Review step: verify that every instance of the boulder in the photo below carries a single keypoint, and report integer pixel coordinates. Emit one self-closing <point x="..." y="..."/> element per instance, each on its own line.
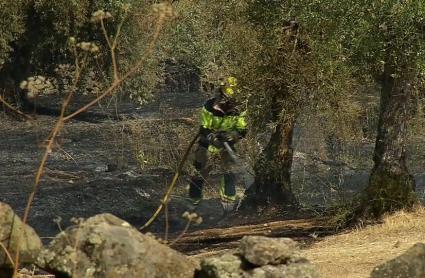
<point x="12" y="231"/>
<point x="261" y="251"/>
<point x="295" y="270"/>
<point x="227" y="265"/>
<point x="408" y="265"/>
<point x="106" y="246"/>
<point x="259" y="257"/>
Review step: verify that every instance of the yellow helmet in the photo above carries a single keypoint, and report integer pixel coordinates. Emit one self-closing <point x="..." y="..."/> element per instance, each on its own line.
<point x="229" y="86"/>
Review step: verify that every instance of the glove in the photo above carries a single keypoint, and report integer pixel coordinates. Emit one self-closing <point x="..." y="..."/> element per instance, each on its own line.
<point x="232" y="136"/>
<point x="218" y="138"/>
<point x="215" y="140"/>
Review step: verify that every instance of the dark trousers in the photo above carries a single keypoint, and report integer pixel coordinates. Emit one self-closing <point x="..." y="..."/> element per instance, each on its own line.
<point x="227" y="187"/>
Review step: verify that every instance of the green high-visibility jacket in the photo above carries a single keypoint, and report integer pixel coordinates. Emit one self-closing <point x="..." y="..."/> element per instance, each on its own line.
<point x="214" y="120"/>
<point x="226" y="118"/>
<point x="223" y="123"/>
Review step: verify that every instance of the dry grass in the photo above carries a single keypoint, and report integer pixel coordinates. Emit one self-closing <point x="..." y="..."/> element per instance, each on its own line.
<point x="356" y="253"/>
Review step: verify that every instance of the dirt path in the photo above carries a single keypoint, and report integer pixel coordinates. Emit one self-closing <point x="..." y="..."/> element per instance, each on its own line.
<point x="355" y="253"/>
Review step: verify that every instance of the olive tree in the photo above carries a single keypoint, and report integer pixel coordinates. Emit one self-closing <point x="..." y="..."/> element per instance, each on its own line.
<point x="285" y="64"/>
<point x="283" y="71"/>
<point x="392" y="52"/>
<point x="294" y="56"/>
<point x="383" y="42"/>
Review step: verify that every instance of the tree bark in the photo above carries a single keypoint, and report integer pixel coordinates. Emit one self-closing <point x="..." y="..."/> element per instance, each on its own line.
<point x="273" y="169"/>
<point x="391" y="187"/>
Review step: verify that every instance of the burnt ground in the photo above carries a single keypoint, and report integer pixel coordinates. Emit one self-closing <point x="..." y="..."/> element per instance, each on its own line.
<point x="93" y="168"/>
<point x="86" y="175"/>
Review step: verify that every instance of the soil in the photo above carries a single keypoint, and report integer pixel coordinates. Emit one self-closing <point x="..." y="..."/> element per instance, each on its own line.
<point x="93" y="170"/>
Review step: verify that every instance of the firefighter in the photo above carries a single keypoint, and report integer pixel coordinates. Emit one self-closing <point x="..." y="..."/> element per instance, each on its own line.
<point x="221" y="121"/>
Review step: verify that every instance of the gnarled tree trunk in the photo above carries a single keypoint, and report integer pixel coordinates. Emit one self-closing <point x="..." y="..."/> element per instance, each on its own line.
<point x="391" y="187"/>
<point x="273" y="169"/>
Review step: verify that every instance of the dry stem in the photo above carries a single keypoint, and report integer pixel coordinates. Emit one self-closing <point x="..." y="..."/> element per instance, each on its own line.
<point x="48" y="149"/>
<point x="113" y="45"/>
<point x="2" y="100"/>
<point x="7" y="253"/>
<point x="182" y="233"/>
<point x="117" y="83"/>
<point x="166" y="222"/>
<point x="61" y="121"/>
<point x="166" y="197"/>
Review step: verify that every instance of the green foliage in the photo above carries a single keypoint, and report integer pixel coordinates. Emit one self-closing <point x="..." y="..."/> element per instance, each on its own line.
<point x="396" y="35"/>
<point x="370" y="33"/>
<point x="12" y="21"/>
<point x="40" y="33"/>
<point x="59" y="20"/>
<point x="345" y="40"/>
<point x="281" y="73"/>
<point x="63" y="17"/>
<point x="137" y="32"/>
<point x="73" y="19"/>
<point x="200" y="35"/>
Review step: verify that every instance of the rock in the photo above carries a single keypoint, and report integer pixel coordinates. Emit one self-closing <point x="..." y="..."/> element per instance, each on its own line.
<point x="263" y="251"/>
<point x="296" y="270"/>
<point x="225" y="266"/>
<point x="12" y="231"/>
<point x="106" y="246"/>
<point x="259" y="257"/>
<point x="408" y="265"/>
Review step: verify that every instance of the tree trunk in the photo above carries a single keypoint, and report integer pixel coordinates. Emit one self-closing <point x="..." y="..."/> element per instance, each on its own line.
<point x="273" y="169"/>
<point x="391" y="187"/>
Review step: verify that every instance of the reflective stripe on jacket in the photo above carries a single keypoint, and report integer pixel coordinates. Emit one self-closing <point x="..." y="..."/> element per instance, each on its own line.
<point x="223" y="123"/>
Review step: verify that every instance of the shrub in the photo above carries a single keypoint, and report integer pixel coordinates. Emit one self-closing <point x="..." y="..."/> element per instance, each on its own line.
<point x="36" y="40"/>
<point x="12" y="20"/>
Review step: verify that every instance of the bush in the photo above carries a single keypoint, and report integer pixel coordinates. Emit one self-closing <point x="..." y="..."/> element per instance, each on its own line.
<point x="37" y="40"/>
<point x="12" y="20"/>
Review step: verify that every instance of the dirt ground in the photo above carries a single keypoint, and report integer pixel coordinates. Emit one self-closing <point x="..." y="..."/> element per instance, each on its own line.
<point x="95" y="168"/>
<point x="355" y="253"/>
<point x="92" y="169"/>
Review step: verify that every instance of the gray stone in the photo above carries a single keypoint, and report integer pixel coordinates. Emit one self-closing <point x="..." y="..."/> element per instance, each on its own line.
<point x="260" y="257"/>
<point x="232" y="266"/>
<point x="411" y="264"/>
<point x="295" y="270"/>
<point x="12" y="231"/>
<point x="263" y="251"/>
<point x="106" y="246"/>
<point x="225" y="266"/>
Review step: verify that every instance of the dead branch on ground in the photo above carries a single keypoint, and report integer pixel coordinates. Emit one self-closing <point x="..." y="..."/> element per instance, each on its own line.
<point x="14" y="110"/>
<point x="301" y="227"/>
